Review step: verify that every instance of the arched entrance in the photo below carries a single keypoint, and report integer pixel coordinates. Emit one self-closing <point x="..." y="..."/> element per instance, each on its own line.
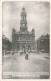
<point x="24" y="48"/>
<point x="18" y="47"/>
<point x="29" y="47"/>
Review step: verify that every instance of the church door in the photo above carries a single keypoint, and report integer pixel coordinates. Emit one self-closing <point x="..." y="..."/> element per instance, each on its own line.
<point x="29" y="47"/>
<point x="23" y="48"/>
<point x="17" y="47"/>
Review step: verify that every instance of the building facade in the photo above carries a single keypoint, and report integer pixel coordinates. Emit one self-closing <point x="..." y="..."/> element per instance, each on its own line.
<point x="43" y="44"/>
<point x="23" y="39"/>
<point x="6" y="44"/>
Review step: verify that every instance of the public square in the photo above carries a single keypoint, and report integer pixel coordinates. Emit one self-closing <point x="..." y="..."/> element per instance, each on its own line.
<point x="37" y="62"/>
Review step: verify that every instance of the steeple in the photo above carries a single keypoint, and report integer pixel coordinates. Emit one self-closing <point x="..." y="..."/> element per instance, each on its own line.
<point x="23" y="22"/>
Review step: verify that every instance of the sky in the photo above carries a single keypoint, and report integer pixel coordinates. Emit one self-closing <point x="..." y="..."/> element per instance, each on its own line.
<point x="38" y="17"/>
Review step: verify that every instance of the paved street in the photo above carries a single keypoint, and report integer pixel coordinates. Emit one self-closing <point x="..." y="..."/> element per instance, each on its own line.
<point x="35" y="63"/>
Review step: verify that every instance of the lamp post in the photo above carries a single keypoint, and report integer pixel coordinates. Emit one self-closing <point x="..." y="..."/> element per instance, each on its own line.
<point x="25" y="49"/>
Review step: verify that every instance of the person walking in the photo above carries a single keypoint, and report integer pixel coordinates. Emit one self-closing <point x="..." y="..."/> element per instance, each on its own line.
<point x="26" y="56"/>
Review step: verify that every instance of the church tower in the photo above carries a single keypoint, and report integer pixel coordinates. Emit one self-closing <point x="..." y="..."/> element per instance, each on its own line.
<point x="23" y="22"/>
<point x="23" y="39"/>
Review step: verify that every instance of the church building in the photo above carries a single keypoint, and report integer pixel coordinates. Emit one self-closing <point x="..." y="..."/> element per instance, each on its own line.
<point x="23" y="39"/>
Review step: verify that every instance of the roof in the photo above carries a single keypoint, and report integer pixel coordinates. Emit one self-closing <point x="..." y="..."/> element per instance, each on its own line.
<point x="44" y="37"/>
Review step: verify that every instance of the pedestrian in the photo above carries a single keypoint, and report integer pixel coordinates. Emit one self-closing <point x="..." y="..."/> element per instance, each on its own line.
<point x="26" y="56"/>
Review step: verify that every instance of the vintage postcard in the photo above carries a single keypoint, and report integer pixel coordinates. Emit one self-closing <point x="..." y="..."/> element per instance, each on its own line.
<point x="26" y="40"/>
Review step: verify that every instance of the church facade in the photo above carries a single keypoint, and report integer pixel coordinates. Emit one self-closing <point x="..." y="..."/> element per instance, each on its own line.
<point x="23" y="39"/>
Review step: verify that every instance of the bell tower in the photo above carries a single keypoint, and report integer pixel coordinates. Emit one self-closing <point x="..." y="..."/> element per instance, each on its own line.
<point x="23" y="22"/>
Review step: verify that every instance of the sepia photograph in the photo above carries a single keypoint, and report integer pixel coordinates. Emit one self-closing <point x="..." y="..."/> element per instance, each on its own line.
<point x="25" y="40"/>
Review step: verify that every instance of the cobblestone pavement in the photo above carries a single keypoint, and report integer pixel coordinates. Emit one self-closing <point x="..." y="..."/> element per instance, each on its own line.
<point x="6" y="57"/>
<point x="35" y="63"/>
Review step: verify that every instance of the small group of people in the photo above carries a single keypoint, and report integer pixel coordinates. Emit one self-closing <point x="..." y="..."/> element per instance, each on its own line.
<point x="24" y="51"/>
